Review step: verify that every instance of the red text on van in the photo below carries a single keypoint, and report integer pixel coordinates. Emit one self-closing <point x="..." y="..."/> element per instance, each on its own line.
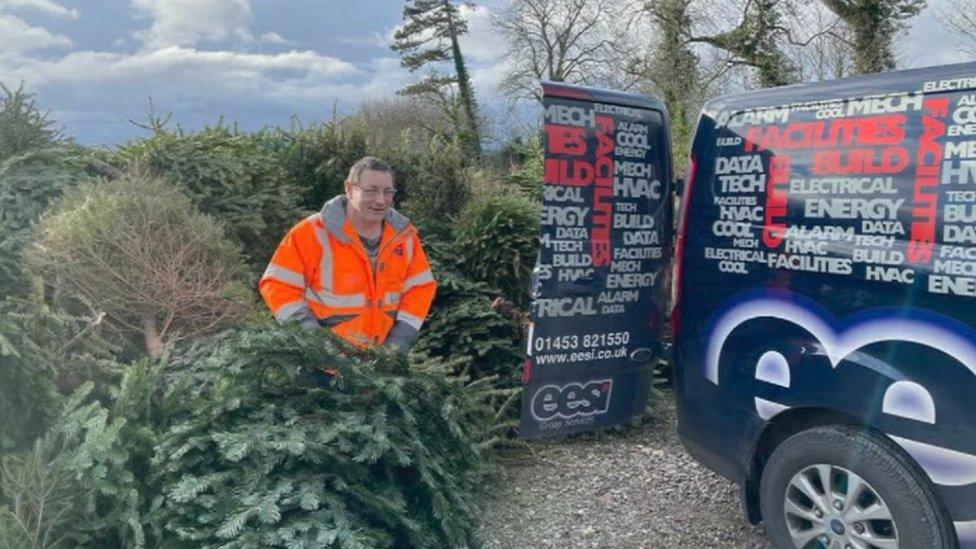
<point x="603" y="193"/>
<point x="777" y="197"/>
<point x="927" y="163"/>
<point x="845" y="132"/>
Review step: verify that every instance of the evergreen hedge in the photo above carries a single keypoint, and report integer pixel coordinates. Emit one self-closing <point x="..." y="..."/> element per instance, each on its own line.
<point x="462" y="326"/>
<point x="497" y="241"/>
<point x="27" y="393"/>
<point x="235" y="177"/>
<point x="29" y="183"/>
<point x="23" y="125"/>
<point x="317" y="158"/>
<point x="527" y="174"/>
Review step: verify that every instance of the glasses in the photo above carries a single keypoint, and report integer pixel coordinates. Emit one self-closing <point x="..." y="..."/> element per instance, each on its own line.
<point x="373" y="193"/>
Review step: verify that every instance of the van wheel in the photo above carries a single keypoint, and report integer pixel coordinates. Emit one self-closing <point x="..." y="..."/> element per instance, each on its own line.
<point x="839" y="487"/>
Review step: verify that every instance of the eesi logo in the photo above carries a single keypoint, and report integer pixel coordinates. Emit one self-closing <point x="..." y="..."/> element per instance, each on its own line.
<point x="571" y="400"/>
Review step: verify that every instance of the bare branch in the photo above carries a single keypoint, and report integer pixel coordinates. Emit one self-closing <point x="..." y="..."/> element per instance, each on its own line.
<point x="571" y="41"/>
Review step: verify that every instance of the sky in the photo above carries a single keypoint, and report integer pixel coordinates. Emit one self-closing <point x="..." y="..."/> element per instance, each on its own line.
<point x="99" y="65"/>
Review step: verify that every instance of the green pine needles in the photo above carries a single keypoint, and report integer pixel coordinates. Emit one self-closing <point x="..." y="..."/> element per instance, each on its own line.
<point x="29" y="183"/>
<point x="73" y="488"/>
<point x="384" y="457"/>
<point x="497" y="240"/>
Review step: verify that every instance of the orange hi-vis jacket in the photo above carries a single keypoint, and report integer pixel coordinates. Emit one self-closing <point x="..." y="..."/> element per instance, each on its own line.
<point x="321" y="275"/>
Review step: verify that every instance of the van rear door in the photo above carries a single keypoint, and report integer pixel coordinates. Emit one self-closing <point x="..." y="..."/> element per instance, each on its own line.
<point x="602" y="276"/>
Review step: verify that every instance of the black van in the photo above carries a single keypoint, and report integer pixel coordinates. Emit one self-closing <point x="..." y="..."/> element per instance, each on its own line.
<point x="825" y="307"/>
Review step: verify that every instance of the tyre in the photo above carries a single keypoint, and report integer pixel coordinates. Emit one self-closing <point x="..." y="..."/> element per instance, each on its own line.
<point x="839" y="487"/>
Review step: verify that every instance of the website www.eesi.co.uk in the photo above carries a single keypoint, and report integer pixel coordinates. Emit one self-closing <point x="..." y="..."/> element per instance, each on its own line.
<point x="581" y="356"/>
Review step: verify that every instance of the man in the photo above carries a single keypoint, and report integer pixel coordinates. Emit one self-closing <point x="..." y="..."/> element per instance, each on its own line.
<point x="357" y="267"/>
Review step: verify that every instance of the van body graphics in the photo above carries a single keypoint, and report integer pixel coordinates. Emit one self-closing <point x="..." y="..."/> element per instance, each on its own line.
<point x="572" y="400"/>
<point x="601" y="279"/>
<point x="829" y="267"/>
<point x="841" y="344"/>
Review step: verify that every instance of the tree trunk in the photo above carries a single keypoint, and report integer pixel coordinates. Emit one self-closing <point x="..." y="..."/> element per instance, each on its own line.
<point x="674" y="73"/>
<point x="154" y="343"/>
<point x="470" y="134"/>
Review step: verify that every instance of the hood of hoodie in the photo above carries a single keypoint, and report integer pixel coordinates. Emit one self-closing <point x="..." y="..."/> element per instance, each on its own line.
<point x="334" y="217"/>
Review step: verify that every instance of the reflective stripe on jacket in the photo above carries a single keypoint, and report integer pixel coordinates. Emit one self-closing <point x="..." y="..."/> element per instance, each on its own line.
<point x="321" y="275"/>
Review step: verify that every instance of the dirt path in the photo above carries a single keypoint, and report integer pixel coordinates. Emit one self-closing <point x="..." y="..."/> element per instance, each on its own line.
<point x="616" y="491"/>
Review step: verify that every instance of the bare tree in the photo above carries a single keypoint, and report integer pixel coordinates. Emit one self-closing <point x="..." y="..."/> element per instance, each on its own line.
<point x="959" y="17"/>
<point x="559" y="40"/>
<point x="402" y="121"/>
<point x="873" y="24"/>
<point x="826" y="51"/>
<point x="756" y="40"/>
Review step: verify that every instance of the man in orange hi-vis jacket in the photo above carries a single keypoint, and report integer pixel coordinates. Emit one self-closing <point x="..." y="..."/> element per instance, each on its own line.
<point x="357" y="267"/>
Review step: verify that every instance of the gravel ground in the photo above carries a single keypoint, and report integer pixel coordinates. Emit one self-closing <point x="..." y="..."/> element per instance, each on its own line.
<point x="638" y="489"/>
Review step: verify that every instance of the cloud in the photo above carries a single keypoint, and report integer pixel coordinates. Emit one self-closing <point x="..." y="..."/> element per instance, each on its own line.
<point x="380" y="38"/>
<point x="94" y="94"/>
<point x="44" y="6"/>
<point x="387" y="76"/>
<point x="273" y="38"/>
<point x="193" y="22"/>
<point x="186" y="60"/>
<point x="20" y="37"/>
<point x="187" y="68"/>
<point x="482" y="42"/>
<point x="487" y="77"/>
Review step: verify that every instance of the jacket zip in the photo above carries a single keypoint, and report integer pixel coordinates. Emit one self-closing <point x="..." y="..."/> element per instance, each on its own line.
<point x="372" y="304"/>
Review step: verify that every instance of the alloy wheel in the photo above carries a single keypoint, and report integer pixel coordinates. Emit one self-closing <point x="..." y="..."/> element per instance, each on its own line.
<point x="830" y="507"/>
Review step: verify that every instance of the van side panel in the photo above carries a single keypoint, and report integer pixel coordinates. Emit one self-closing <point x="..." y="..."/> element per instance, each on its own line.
<point x="830" y="263"/>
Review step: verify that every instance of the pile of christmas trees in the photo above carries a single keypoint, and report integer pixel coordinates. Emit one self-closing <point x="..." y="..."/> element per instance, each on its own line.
<point x="384" y="456"/>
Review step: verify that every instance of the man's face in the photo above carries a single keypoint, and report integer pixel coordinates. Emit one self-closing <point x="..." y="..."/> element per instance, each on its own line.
<point x="372" y="197"/>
